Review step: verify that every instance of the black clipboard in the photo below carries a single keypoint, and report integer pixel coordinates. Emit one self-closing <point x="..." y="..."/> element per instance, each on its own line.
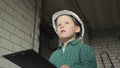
<point x="29" y="59"/>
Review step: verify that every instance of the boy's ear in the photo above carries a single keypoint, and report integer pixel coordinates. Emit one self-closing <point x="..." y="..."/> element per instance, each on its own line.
<point x="56" y="31"/>
<point x="77" y="29"/>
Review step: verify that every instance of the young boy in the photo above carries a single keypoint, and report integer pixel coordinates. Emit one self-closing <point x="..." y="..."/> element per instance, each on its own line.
<point x="71" y="53"/>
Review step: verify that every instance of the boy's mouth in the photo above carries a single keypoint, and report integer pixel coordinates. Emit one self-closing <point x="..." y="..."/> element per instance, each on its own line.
<point x="62" y="31"/>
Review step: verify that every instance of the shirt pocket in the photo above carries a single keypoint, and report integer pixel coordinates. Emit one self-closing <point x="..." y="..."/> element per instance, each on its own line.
<point x="73" y="59"/>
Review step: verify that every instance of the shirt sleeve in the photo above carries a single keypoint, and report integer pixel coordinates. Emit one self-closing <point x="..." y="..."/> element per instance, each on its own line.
<point x="52" y="57"/>
<point x="87" y="57"/>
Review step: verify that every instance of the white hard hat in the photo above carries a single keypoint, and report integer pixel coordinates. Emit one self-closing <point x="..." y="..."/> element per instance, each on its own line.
<point x="66" y="12"/>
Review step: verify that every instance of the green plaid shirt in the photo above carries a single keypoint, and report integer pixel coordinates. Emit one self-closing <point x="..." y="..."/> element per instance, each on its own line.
<point x="76" y="55"/>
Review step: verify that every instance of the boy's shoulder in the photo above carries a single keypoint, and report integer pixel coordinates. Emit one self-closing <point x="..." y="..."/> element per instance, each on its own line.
<point x="55" y="52"/>
<point x="84" y="46"/>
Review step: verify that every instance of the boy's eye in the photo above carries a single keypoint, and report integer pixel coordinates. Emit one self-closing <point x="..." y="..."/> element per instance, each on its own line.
<point x="66" y="22"/>
<point x="59" y="25"/>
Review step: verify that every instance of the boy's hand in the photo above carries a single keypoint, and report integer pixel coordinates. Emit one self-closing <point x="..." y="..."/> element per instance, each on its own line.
<point x="64" y="66"/>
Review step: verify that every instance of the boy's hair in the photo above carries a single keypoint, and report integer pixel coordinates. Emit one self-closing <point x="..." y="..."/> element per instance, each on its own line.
<point x="75" y="22"/>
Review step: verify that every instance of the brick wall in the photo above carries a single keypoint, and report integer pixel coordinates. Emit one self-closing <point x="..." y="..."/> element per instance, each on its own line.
<point x="107" y="41"/>
<point x="17" y="28"/>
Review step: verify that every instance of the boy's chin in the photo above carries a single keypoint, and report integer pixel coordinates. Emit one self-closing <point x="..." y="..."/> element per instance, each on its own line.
<point x="63" y="37"/>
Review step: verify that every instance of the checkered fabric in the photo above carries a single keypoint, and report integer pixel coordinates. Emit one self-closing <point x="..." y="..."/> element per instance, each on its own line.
<point x="76" y="55"/>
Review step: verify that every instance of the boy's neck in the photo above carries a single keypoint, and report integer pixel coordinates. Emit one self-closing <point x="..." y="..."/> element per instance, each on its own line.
<point x="65" y="41"/>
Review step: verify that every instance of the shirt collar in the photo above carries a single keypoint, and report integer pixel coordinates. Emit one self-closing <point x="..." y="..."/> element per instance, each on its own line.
<point x="73" y="42"/>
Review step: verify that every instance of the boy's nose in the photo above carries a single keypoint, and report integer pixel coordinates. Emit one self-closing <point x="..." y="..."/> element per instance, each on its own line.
<point x="62" y="26"/>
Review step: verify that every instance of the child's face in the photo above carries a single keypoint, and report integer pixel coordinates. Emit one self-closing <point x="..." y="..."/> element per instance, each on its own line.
<point x="66" y="29"/>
